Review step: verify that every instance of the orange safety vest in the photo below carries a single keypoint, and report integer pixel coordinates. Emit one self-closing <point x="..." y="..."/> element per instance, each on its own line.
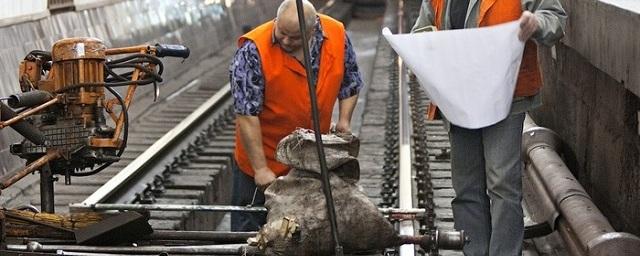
<point x="286" y="96"/>
<point x="493" y="12"/>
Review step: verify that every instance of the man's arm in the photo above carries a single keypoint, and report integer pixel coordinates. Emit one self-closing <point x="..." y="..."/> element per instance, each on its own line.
<point x="345" y="111"/>
<point x="549" y="19"/>
<point x="251" y="137"/>
<point x="247" y="87"/>
<point x="349" y="89"/>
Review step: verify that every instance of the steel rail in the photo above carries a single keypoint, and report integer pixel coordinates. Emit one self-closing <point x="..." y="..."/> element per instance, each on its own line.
<point x="134" y="177"/>
<point x="405" y="182"/>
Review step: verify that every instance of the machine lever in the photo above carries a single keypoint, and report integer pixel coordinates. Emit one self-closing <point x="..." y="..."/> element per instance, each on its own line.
<point x="172" y="50"/>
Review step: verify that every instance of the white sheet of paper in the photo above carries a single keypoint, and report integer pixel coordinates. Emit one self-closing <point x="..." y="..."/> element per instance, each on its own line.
<point x="469" y="73"/>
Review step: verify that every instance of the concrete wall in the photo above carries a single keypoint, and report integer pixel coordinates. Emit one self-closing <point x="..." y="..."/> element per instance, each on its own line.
<point x="205" y="26"/>
<point x="13" y="12"/>
<point x="592" y="83"/>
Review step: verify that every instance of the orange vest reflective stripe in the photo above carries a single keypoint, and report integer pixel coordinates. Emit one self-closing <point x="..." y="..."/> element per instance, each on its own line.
<point x="493" y="12"/>
<point x="286" y="98"/>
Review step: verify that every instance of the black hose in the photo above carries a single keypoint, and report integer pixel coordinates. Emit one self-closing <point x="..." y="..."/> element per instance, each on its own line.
<point x="46" y="56"/>
<point x="155" y="59"/>
<point x="113" y="84"/>
<point x="23" y="127"/>
<point x="124" y="139"/>
<point x="134" y="61"/>
<point x="151" y="58"/>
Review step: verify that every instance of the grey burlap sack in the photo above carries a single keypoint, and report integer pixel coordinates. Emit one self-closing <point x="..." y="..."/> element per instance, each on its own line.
<point x="297" y="222"/>
<point x="298" y="150"/>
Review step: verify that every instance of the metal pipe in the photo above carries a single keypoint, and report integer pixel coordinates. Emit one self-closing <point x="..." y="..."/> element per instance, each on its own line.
<point x="46" y="189"/>
<point x="168" y="207"/>
<point x="584" y="220"/>
<point x="437" y="239"/>
<point x="25" y="129"/>
<point x="33" y="166"/>
<point x="215" y="236"/>
<point x="311" y="81"/>
<point x="209" y="208"/>
<point x="129" y="49"/>
<point x="227" y="249"/>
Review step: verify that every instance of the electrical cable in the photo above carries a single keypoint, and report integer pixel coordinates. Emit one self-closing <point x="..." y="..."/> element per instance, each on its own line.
<point x="124" y="139"/>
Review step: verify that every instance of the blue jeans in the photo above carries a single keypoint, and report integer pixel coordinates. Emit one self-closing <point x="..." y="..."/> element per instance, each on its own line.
<point x="486" y="177"/>
<point x="242" y="194"/>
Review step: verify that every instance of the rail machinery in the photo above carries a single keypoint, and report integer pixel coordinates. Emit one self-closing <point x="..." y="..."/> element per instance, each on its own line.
<point x="63" y="109"/>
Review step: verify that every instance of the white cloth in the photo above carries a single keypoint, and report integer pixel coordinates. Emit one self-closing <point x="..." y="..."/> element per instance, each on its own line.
<point x="469" y="73"/>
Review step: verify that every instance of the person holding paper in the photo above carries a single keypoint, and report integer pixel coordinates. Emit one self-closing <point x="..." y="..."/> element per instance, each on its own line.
<point x="486" y="162"/>
<point x="271" y="96"/>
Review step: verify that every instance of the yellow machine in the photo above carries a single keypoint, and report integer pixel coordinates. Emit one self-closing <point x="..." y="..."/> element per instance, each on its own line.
<point x="62" y="110"/>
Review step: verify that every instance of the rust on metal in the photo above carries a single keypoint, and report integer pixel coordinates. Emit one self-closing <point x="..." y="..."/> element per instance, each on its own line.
<point x="33" y="166"/>
<point x="126" y="50"/>
<point x="27" y="113"/>
<point x="78" y="48"/>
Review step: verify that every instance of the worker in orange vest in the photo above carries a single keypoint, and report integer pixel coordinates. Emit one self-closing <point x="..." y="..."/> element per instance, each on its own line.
<point x="486" y="162"/>
<point x="271" y="96"/>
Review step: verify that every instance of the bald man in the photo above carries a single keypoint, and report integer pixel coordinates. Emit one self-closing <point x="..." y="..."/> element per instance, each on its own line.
<point x="271" y="96"/>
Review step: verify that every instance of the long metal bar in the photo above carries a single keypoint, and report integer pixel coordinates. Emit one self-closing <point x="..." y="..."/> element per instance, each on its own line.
<point x="123" y="186"/>
<point x="47" y="202"/>
<point x="209" y="208"/>
<point x="405" y="185"/>
<point x="131" y="90"/>
<point x="311" y="80"/>
<point x="27" y="113"/>
<point x="216" y="236"/>
<point x="33" y="166"/>
<point x="584" y="220"/>
<point x="226" y="249"/>
<point x="168" y="207"/>
<point x="129" y="49"/>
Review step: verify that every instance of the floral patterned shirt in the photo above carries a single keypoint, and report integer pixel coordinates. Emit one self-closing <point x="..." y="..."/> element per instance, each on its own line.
<point x="247" y="80"/>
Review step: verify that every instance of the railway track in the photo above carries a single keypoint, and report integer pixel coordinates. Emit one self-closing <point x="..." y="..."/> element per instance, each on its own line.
<point x="179" y="154"/>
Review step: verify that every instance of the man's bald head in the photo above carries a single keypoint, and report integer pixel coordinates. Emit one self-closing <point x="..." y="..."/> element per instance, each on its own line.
<point x="287" y="13"/>
<point x="287" y="27"/>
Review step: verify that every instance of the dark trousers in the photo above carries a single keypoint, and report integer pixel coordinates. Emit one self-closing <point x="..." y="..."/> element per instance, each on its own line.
<point x="487" y="178"/>
<point x="242" y="194"/>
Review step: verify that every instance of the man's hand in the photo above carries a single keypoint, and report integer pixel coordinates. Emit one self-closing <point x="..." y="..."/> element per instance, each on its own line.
<point x="263" y="178"/>
<point x="528" y="25"/>
<point x="343" y="127"/>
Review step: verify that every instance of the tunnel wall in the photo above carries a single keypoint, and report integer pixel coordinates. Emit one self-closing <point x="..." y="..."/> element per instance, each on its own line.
<point x="592" y="83"/>
<point x="204" y="26"/>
